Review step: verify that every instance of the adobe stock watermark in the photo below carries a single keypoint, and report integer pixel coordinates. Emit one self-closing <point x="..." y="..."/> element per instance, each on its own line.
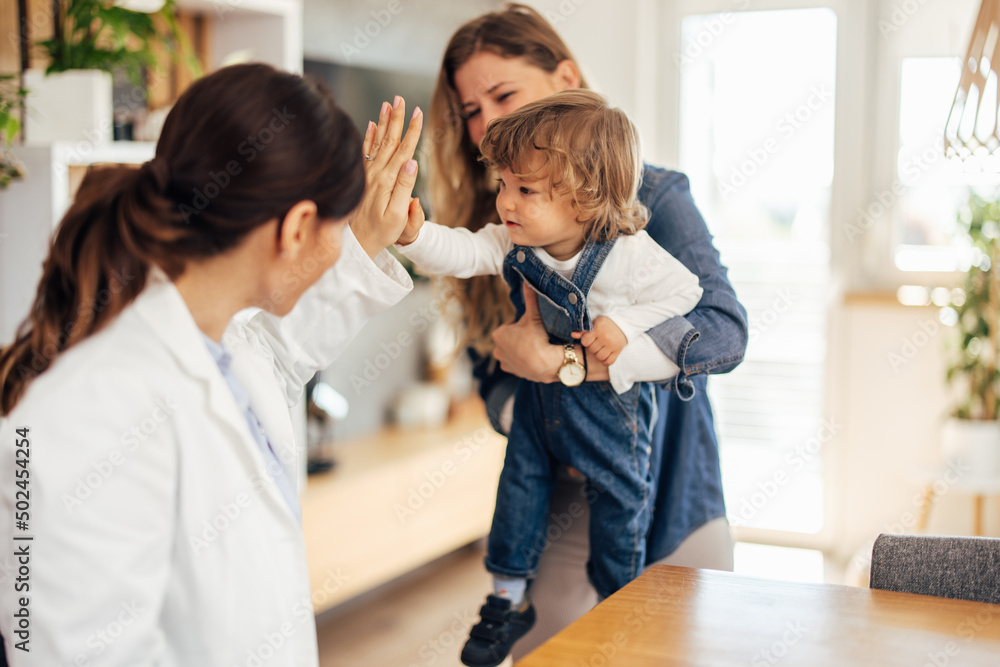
<point x="462" y="452"/>
<point x="454" y="121"/>
<point x="910" y="346"/>
<point x="780" y="648"/>
<point x="103" y="134"/>
<point x="795" y="461"/>
<point x="909" y="521"/>
<point x="130" y="441"/>
<point x="214" y="526"/>
<point x="38" y="23"/>
<point x="565" y="10"/>
<point x="783" y="302"/>
<point x="365" y="35"/>
<point x="103" y="638"/>
<point x="249" y="149"/>
<point x="419" y="322"/>
<point x="711" y="30"/>
<point x="92" y="138"/>
<point x="971" y="626"/>
<point x="921" y="501"/>
<point x="86" y="313"/>
<point x="654" y="609"/>
<point x="786" y="128"/>
<point x="270" y="644"/>
<point x="302" y="612"/>
<point x="374" y="366"/>
<point x="641" y="274"/>
<point x="223" y="7"/>
<point x="292" y="280"/>
<point x="901" y="13"/>
<point x="606" y="651"/>
<point x="883" y="200"/>
<point x="333" y="583"/>
<point x="447" y="641"/>
<point x="229" y="512"/>
<point x="559" y="524"/>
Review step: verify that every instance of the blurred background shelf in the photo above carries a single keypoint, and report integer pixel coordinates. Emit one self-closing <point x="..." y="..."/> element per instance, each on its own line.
<point x="399" y="499"/>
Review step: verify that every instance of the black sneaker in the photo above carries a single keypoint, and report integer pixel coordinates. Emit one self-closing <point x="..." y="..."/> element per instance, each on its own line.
<point x="491" y="639"/>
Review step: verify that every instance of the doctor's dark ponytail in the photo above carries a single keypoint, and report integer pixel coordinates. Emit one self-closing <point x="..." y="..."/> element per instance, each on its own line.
<point x="239" y="148"/>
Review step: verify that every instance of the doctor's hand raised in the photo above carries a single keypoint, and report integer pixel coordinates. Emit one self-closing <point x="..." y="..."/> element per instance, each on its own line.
<point x="390" y="174"/>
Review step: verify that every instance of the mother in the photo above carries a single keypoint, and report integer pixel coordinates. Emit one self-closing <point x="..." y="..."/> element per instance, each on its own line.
<point x="149" y="429"/>
<point x="493" y="65"/>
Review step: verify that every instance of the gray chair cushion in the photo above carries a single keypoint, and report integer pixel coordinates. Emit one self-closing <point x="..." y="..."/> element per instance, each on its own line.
<point x="964" y="568"/>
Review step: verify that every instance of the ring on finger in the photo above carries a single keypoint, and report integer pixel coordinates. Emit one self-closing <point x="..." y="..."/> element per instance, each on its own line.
<point x="369" y="157"/>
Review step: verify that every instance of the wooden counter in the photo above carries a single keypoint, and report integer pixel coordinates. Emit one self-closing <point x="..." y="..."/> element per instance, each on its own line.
<point x="397" y="500"/>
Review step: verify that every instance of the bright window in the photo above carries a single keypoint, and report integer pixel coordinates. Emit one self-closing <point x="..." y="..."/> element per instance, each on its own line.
<point x="931" y="187"/>
<point x="756" y="139"/>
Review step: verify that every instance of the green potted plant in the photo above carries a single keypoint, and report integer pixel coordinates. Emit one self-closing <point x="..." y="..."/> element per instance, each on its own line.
<point x="973" y="432"/>
<point x="11" y="102"/>
<point x="72" y="99"/>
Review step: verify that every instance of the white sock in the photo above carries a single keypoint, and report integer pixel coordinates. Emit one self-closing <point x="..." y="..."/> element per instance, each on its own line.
<point x="510" y="589"/>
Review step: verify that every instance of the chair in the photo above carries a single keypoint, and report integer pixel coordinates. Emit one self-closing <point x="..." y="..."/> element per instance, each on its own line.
<point x="963" y="568"/>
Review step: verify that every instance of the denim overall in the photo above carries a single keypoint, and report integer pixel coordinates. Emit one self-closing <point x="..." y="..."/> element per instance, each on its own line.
<point x="603" y="434"/>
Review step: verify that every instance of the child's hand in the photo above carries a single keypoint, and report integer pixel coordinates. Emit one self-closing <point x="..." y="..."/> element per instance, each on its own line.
<point x="414" y="221"/>
<point x="605" y="341"/>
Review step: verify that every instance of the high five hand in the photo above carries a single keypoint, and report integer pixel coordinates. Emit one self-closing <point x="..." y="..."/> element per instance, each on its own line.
<point x="390" y="174"/>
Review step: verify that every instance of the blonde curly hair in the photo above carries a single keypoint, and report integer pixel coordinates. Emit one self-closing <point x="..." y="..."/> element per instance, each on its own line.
<point x="590" y="151"/>
<point x="463" y="191"/>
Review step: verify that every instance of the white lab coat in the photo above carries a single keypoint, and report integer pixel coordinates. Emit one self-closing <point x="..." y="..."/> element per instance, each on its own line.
<point x="159" y="537"/>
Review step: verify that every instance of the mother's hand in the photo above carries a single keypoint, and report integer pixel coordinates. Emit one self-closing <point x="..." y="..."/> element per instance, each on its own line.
<point x="523" y="348"/>
<point x="390" y="174"/>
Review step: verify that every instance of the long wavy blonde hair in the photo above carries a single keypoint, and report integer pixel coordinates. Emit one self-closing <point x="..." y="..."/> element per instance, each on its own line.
<point x="462" y="191"/>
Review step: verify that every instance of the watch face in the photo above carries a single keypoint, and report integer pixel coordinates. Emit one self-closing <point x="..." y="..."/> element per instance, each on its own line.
<point x="572" y="374"/>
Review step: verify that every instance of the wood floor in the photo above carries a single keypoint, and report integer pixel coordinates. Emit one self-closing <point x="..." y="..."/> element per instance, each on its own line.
<point x="421" y="620"/>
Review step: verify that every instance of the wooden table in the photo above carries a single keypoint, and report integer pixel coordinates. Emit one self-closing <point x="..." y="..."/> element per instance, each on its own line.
<point x="681" y="616"/>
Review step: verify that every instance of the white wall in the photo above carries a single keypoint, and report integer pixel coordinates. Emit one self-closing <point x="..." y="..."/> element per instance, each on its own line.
<point x="26" y="211"/>
<point x="599" y="32"/>
<point x="602" y="36"/>
<point x="891" y="401"/>
<point x="405" y="35"/>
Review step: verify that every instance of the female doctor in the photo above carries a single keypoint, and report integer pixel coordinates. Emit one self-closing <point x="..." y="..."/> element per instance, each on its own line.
<point x="146" y="444"/>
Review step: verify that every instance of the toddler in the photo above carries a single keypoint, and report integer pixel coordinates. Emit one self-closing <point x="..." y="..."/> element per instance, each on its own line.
<point x="571" y="230"/>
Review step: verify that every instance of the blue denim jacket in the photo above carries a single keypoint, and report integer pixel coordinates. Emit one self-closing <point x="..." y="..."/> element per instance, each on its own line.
<point x="710" y="339"/>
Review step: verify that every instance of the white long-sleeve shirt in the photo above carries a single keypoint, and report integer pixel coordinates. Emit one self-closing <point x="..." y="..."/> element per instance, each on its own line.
<point x="639" y="285"/>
